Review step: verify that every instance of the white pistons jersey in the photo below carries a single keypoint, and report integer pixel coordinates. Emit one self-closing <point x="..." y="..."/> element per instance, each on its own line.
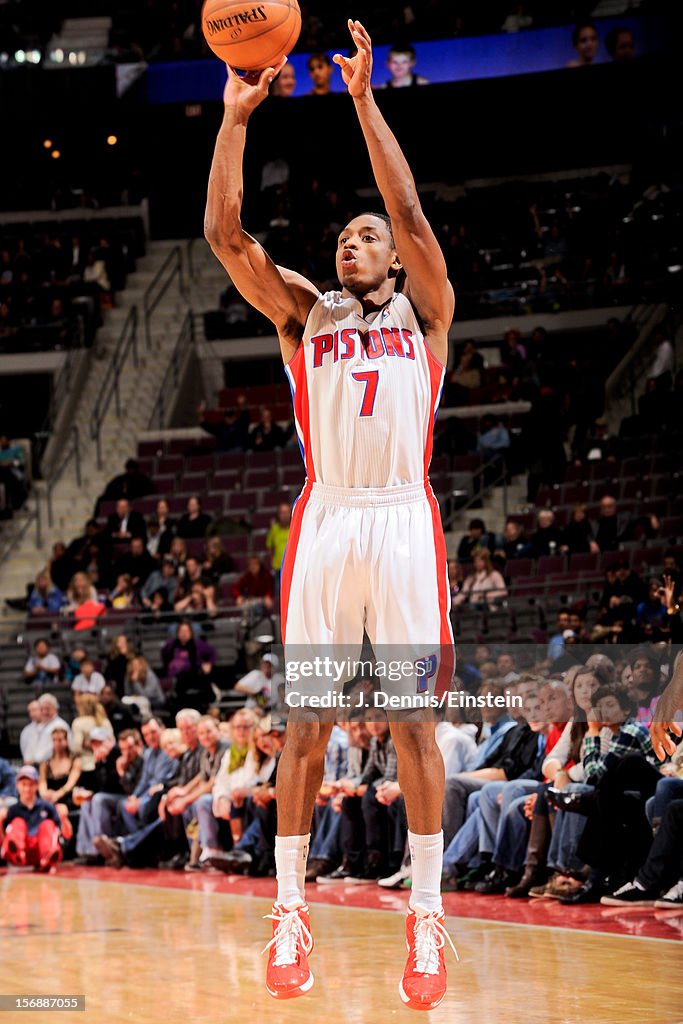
<point x="365" y="393"/>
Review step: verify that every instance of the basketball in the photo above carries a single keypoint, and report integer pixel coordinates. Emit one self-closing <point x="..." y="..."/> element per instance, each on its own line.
<point x="251" y="38"/>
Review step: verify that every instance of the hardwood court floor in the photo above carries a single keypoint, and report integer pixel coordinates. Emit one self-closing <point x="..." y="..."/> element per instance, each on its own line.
<point x="162" y="955"/>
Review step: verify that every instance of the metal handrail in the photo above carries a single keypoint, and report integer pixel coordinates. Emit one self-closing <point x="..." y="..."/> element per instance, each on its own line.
<point x="158" y="288"/>
<point x="454" y="513"/>
<point x="128" y="340"/>
<point x="73" y="453"/>
<point x="185" y="344"/>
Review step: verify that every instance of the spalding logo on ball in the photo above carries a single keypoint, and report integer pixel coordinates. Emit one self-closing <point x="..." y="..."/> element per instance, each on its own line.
<point x="251" y="38"/>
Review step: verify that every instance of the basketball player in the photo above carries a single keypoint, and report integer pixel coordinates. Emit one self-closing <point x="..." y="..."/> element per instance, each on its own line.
<point x="366" y="547"/>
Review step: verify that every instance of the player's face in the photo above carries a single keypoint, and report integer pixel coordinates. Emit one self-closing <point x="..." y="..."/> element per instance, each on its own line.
<point x="365" y="255"/>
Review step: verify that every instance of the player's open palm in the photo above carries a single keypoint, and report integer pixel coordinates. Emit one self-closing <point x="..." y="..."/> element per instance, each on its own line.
<point x="357" y="70"/>
<point x="244" y="93"/>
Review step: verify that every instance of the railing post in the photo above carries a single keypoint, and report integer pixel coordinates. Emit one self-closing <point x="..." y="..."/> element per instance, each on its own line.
<point x="39" y="530"/>
<point x="77" y="451"/>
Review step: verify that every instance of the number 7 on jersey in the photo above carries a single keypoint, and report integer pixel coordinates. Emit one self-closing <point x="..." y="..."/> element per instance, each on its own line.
<point x="370" y="378"/>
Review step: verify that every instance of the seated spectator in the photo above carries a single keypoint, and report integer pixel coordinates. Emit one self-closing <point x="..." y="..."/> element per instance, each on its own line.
<point x="89" y="680"/>
<point x="644" y="688"/>
<point x="248" y="762"/>
<point x="45" y="598"/>
<point x="8" y="788"/>
<point x="612" y="528"/>
<point x="599" y="445"/>
<point x="586" y="42"/>
<point x="58" y="569"/>
<point x="261" y="683"/>
<point x="130" y="484"/>
<point x="320" y="70"/>
<point x="494" y="438"/>
<point x="512" y="351"/>
<point x="32" y="827"/>
<point x="463" y="379"/>
<point x="142" y="681"/>
<point x="125" y="523"/>
<point x="456" y="576"/>
<point x="72" y="665"/>
<point x="217" y="562"/>
<point x="659" y="882"/>
<point x="12" y="473"/>
<point x="198" y="601"/>
<point x="60" y="773"/>
<point x="255" y="586"/>
<point x="83" y="602"/>
<point x="622" y="592"/>
<point x="178" y="551"/>
<point x="114" y="776"/>
<point x="547" y="539"/>
<point x="232" y="432"/>
<point x="116" y="667"/>
<point x="652" y="617"/>
<point x="627" y="768"/>
<point x="163" y="581"/>
<point x="189" y="662"/>
<point x="401" y="61"/>
<point x="577" y="536"/>
<point x="515" y="543"/>
<point x="195" y="573"/>
<point x="116" y="711"/>
<point x="90" y="715"/>
<point x="122" y="595"/>
<point x="620" y="44"/>
<point x="484" y="587"/>
<point x="30" y="735"/>
<point x="137" y="563"/>
<point x="167" y="530"/>
<point x="267" y="435"/>
<point x="194" y="523"/>
<point x="276" y="540"/>
<point x="43" y="668"/>
<point x="476" y="537"/>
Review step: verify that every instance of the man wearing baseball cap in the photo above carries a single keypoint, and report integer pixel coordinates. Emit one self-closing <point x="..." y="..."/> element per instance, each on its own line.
<point x="261" y="683"/>
<point x="32" y="826"/>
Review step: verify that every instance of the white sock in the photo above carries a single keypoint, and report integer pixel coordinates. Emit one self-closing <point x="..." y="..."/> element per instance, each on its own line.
<point x="291" y="853"/>
<point x="426" y="854"/>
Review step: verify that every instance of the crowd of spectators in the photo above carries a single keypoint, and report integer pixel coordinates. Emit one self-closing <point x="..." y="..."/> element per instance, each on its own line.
<point x="543" y="783"/>
<point x="165" y="31"/>
<point x="54" y="285"/>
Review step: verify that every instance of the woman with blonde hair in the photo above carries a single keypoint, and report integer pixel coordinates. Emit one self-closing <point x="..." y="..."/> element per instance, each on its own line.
<point x="484" y="587"/>
<point x="83" y="602"/>
<point x="142" y="681"/>
<point x="90" y="714"/>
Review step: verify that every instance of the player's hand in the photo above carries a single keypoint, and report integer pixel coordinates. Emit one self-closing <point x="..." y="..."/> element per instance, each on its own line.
<point x="663" y="722"/>
<point x="244" y="93"/>
<point x="357" y="70"/>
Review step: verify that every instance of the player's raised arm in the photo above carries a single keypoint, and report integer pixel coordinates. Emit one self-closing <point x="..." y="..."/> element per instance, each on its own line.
<point x="283" y="296"/>
<point x="416" y="243"/>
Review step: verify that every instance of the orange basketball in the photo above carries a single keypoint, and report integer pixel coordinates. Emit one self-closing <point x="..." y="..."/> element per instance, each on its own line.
<point x="251" y="38"/>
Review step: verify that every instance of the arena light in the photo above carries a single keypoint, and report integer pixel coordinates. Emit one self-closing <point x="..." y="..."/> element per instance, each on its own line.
<point x="112" y="140"/>
<point x="20" y="56"/>
<point x="47" y="143"/>
<point x="675" y="268"/>
<point x="55" y="154"/>
<point x="33" y="56"/>
<point x="57" y="56"/>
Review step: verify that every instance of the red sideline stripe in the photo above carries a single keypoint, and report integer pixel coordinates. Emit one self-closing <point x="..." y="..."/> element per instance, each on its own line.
<point x="446" y="653"/>
<point x="290" y="554"/>
<point x="436" y="376"/>
<point x="297" y="368"/>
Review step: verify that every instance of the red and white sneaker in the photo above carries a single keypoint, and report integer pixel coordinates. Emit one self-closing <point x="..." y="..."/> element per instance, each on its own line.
<point x="288" y="974"/>
<point x="424" y="981"/>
